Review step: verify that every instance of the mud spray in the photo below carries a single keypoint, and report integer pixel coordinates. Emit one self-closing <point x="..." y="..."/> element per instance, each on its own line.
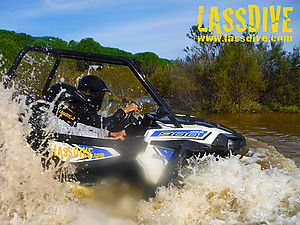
<point x="262" y="187"/>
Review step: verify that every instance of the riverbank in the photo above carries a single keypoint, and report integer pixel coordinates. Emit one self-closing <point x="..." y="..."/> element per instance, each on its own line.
<point x="254" y="107"/>
<point x="281" y="130"/>
<point x="276" y="107"/>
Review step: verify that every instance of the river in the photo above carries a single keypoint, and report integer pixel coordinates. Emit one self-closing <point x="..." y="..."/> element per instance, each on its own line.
<point x="277" y="129"/>
<point x="263" y="187"/>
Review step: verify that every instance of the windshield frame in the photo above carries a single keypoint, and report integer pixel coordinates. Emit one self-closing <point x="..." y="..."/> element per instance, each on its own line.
<point x="133" y="64"/>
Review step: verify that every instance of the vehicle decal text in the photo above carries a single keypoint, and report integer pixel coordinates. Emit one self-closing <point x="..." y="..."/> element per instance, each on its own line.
<point x="65" y="114"/>
<point x="180" y="133"/>
<point x="81" y="151"/>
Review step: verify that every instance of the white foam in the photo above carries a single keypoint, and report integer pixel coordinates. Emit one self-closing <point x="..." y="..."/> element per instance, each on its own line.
<point x="227" y="191"/>
<point x="224" y="191"/>
<point x="29" y="195"/>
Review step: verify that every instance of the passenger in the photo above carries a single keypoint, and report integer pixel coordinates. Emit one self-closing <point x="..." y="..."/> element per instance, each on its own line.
<point x="81" y="105"/>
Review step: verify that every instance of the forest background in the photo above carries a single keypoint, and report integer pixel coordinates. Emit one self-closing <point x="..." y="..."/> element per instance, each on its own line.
<point x="213" y="76"/>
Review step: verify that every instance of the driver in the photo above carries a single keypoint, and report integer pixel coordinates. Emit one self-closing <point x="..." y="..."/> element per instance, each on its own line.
<point x="81" y="105"/>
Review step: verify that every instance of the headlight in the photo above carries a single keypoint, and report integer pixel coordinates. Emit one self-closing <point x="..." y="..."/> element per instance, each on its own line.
<point x="230" y="145"/>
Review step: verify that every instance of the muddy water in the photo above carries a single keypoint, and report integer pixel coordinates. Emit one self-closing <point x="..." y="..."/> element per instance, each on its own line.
<point x="263" y="187"/>
<point x="277" y="129"/>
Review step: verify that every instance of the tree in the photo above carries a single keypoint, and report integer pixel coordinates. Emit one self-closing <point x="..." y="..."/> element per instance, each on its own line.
<point x="281" y="72"/>
<point x="50" y="42"/>
<point x="151" y="62"/>
<point x="8" y="50"/>
<point x="224" y="73"/>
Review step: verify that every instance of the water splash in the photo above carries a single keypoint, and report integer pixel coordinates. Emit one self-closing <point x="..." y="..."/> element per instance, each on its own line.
<point x="29" y="195"/>
<point x="227" y="191"/>
<point x="262" y="187"/>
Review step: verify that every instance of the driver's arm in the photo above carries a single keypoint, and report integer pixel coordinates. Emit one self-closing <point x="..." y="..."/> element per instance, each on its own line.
<point x="117" y="135"/>
<point x="131" y="107"/>
<point x="112" y="121"/>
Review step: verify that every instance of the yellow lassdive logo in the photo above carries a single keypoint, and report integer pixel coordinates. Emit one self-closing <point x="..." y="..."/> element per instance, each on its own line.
<point x="65" y="114"/>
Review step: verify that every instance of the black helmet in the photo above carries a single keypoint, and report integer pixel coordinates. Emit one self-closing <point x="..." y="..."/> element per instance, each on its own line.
<point x="94" y="88"/>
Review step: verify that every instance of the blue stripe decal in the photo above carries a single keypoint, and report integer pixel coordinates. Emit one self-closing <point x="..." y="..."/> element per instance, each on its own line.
<point x="168" y="153"/>
<point x="180" y="133"/>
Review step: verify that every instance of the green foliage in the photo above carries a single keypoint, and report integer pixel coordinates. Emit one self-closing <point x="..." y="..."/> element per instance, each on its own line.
<point x="182" y="87"/>
<point x="161" y="79"/>
<point x="8" y="50"/>
<point x="32" y="72"/>
<point x="13" y="42"/>
<point x="219" y="77"/>
<point x="122" y="83"/>
<point x="176" y="84"/>
<point x="20" y="39"/>
<point x="10" y="44"/>
<point x="151" y="62"/>
<point x="277" y="107"/>
<point x="90" y="45"/>
<point x="281" y="72"/>
<point x="50" y="42"/>
<point x="233" y="77"/>
<point x="72" y="44"/>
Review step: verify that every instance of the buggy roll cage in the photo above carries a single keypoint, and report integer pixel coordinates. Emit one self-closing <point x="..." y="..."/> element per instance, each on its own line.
<point x="133" y="64"/>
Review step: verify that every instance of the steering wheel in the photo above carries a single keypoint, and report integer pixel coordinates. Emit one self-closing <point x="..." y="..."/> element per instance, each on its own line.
<point x="130" y="119"/>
